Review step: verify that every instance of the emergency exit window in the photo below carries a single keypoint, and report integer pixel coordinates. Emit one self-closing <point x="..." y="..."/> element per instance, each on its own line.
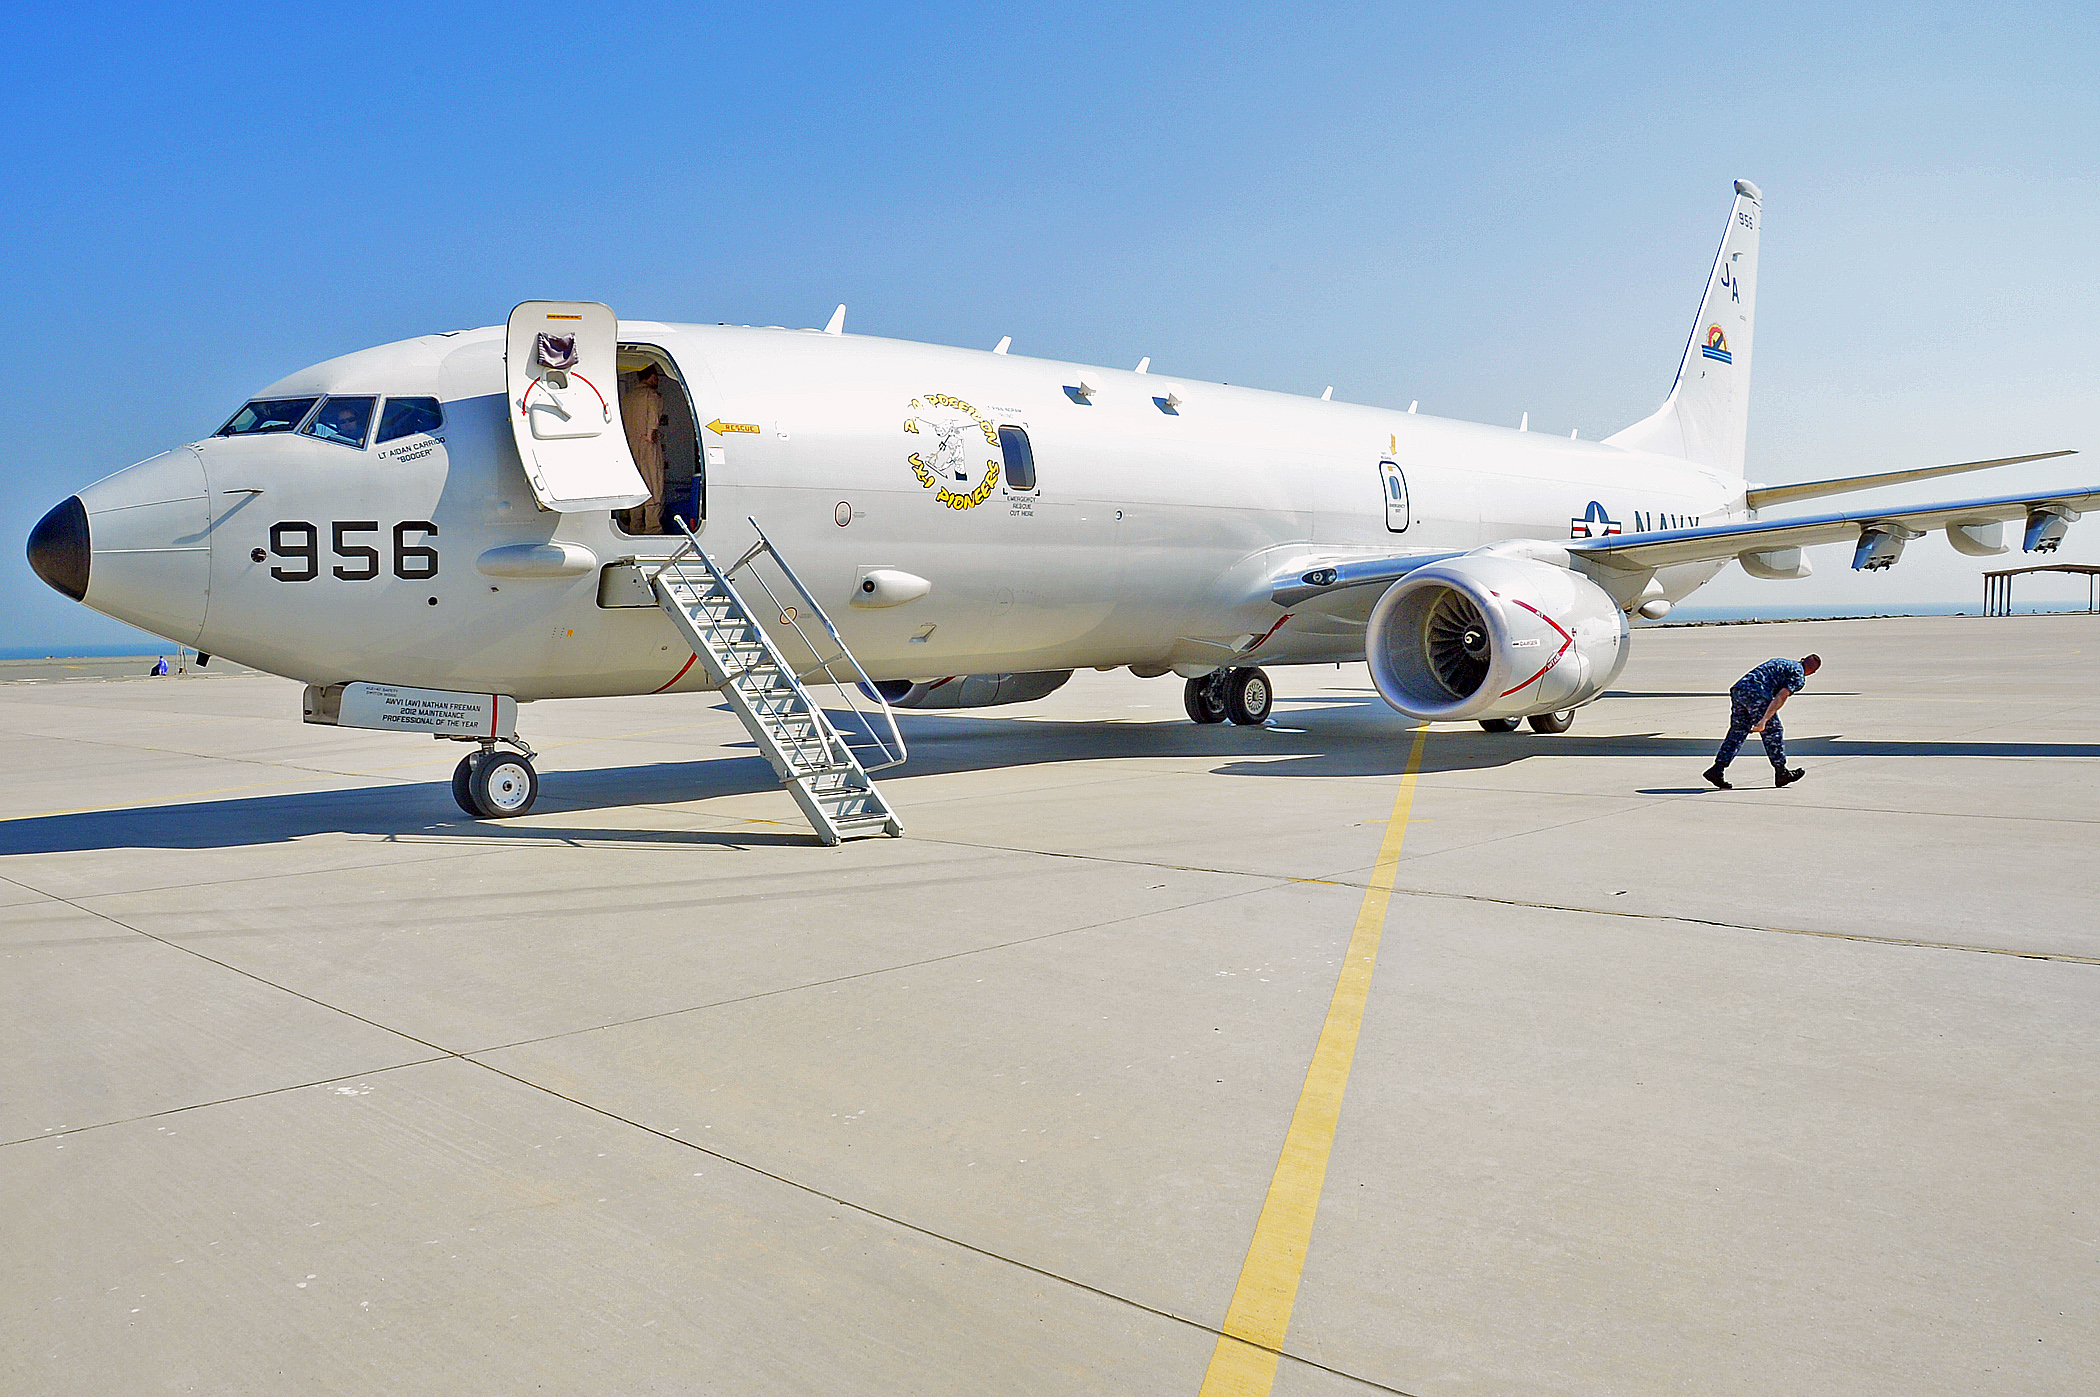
<point x="1020" y="458"/>
<point x="404" y="417"/>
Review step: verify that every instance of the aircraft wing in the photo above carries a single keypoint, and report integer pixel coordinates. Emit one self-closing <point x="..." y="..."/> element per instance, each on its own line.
<point x="1347" y="590"/>
<point x="2044" y="516"/>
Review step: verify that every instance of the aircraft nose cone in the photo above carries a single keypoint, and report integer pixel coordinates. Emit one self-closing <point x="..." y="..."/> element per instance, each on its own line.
<point x="58" y="548"/>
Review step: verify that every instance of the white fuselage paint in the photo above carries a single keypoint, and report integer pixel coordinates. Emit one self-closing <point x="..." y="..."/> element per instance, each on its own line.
<point x="1150" y="540"/>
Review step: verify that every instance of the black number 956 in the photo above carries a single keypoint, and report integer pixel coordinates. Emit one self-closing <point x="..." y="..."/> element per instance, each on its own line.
<point x="298" y="543"/>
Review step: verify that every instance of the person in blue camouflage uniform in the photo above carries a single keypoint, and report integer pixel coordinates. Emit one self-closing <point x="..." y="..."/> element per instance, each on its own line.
<point x="1753" y="707"/>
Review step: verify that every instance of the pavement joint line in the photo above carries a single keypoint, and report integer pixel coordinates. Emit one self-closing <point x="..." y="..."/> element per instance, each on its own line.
<point x="463" y="849"/>
<point x="1258" y="1318"/>
<point x="67" y="1132"/>
<point x="1748" y="926"/>
<point x="251" y="975"/>
<point x="870" y="973"/>
<point x="905" y="1224"/>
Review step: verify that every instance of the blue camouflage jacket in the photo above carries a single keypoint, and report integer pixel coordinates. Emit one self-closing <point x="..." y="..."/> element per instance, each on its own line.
<point x="1757" y="688"/>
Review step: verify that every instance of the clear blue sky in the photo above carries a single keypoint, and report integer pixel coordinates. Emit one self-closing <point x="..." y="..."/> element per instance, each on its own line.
<point x="1493" y="209"/>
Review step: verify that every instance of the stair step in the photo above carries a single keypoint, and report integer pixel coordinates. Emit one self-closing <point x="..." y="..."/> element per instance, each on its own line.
<point x="821" y="767"/>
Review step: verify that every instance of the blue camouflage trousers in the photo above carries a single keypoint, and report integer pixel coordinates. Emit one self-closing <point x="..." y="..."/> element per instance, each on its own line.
<point x="1743" y="710"/>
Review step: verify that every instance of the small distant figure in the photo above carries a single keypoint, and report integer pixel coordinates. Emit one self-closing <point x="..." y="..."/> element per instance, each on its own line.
<point x="1753" y="707"/>
<point x="161" y="666"/>
<point x="641" y="413"/>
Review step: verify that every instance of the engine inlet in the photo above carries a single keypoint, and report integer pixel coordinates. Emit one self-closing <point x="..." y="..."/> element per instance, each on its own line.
<point x="1457" y="644"/>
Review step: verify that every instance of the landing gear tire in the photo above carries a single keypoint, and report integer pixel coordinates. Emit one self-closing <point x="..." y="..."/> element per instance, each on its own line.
<point x="463" y="784"/>
<point x="1500" y="724"/>
<point x="1203" y="698"/>
<point x="1248" y="696"/>
<point x="502" y="785"/>
<point x="1551" y="722"/>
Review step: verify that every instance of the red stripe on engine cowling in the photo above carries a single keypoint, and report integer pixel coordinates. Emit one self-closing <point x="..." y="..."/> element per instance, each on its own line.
<point x="1566" y="641"/>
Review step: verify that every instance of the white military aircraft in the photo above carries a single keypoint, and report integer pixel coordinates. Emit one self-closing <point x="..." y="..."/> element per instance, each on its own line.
<point x="433" y="531"/>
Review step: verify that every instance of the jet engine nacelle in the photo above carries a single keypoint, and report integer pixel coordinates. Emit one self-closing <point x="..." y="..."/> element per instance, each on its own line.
<point x="1483" y="636"/>
<point x="972" y="690"/>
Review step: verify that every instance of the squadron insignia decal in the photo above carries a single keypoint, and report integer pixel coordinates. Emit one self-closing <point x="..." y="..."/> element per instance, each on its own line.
<point x="946" y="456"/>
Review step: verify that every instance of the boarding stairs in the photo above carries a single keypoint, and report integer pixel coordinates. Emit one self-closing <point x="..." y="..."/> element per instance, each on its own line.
<point x="825" y="769"/>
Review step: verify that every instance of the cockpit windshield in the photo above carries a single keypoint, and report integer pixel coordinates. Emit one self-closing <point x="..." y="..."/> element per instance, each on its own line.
<point x="405" y="417"/>
<point x="343" y="421"/>
<point x="267" y="415"/>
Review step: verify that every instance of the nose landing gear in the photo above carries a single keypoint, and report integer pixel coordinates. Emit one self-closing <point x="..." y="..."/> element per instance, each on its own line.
<point x="1243" y="695"/>
<point x="496" y="785"/>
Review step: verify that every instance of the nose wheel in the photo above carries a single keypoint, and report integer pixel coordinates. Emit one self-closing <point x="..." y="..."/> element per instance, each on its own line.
<point x="495" y="785"/>
<point x="1242" y="695"/>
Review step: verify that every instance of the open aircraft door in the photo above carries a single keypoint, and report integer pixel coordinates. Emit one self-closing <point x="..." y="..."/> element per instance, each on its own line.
<point x="561" y="363"/>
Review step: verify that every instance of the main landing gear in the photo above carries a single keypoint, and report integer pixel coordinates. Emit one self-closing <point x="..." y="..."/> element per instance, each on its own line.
<point x="1540" y="722"/>
<point x="1243" y="695"/>
<point x="496" y="785"/>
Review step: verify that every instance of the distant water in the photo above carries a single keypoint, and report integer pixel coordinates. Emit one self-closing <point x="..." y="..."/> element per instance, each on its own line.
<point x="1836" y="611"/>
<point x="75" y="652"/>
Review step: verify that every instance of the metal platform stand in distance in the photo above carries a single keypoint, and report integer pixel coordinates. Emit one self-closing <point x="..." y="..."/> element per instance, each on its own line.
<point x="820" y="766"/>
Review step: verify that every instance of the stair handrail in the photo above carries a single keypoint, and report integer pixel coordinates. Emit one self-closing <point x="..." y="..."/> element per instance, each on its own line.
<point x="892" y="750"/>
<point x="822" y="730"/>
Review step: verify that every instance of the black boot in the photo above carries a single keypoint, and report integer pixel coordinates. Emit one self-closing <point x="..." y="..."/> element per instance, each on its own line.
<point x="1786" y="775"/>
<point x="1713" y="774"/>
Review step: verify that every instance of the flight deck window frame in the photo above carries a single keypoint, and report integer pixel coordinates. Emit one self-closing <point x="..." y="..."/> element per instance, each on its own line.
<point x="291" y="431"/>
<point x="364" y="443"/>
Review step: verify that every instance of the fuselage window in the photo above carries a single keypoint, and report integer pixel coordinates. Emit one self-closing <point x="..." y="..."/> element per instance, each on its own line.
<point x="1020" y="458"/>
<point x="266" y="415"/>
<point x="343" y="421"/>
<point x="404" y="417"/>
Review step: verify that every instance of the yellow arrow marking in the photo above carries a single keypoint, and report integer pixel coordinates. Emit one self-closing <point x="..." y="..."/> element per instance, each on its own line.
<point x="718" y="425"/>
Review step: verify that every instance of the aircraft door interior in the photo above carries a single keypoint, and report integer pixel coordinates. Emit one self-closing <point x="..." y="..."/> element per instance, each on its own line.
<point x="663" y="434"/>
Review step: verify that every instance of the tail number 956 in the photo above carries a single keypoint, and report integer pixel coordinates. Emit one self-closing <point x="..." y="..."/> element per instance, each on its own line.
<point x="298" y="544"/>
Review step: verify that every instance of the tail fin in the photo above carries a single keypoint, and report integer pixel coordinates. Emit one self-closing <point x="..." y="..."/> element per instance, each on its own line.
<point x="1704" y="419"/>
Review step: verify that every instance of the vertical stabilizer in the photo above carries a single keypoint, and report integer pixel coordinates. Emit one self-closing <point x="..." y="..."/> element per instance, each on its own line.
<point x="1705" y="417"/>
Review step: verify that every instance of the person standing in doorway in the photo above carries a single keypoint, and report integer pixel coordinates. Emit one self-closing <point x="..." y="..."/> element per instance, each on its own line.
<point x="641" y="413"/>
<point x="1753" y="707"/>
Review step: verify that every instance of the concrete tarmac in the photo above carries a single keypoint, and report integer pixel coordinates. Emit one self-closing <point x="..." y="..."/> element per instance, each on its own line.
<point x="312" y="1083"/>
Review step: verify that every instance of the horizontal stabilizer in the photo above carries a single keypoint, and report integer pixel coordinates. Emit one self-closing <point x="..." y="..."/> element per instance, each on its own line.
<point x="1759" y="496"/>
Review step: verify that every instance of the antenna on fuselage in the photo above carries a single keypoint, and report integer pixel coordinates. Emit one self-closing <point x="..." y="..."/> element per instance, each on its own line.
<point x="1413" y="405"/>
<point x="838" y="322"/>
<point x="1144" y="364"/>
<point x="1328" y="396"/>
<point x="1006" y="342"/>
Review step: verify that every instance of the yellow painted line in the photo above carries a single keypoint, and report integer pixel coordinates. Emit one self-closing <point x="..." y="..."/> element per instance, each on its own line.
<point x="1244" y="1362"/>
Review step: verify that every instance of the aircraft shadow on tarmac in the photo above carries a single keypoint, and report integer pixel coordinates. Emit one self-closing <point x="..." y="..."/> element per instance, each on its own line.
<point x="1339" y="737"/>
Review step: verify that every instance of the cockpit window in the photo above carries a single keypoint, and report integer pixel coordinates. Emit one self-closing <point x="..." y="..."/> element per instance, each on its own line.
<point x="343" y="421"/>
<point x="404" y="417"/>
<point x="267" y="415"/>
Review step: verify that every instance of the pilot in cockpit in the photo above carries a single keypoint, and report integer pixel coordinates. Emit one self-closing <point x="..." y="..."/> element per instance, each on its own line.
<point x="342" y="420"/>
